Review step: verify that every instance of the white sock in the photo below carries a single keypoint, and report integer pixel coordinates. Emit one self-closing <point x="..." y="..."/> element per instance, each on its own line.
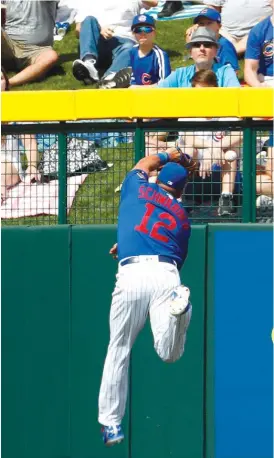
<point x="89" y="59"/>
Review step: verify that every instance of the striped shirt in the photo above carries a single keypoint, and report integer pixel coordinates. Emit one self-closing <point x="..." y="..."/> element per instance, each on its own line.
<point x="151" y="68"/>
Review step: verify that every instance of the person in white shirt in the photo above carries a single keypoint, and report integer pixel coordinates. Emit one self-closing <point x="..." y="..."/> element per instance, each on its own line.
<point x="238" y="18"/>
<point x="11" y="166"/>
<point x="105" y="36"/>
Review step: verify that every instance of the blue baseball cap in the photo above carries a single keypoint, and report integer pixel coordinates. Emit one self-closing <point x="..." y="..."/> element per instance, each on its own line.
<point x="173" y="175"/>
<point x="142" y="19"/>
<point x="209" y="13"/>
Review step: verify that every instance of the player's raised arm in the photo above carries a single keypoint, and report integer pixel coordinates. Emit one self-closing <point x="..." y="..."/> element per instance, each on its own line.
<point x="155" y="161"/>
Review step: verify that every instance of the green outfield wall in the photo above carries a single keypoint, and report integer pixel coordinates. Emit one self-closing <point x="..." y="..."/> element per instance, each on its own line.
<point x="56" y="293"/>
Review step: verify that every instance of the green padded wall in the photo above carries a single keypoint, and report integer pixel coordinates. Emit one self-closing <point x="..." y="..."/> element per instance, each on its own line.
<point x="35" y="342"/>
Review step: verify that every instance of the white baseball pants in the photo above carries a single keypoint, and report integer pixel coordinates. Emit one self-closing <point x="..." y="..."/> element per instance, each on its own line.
<point x="141" y="288"/>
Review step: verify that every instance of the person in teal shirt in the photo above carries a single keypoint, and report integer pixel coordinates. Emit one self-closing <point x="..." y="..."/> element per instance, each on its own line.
<point x="203" y="50"/>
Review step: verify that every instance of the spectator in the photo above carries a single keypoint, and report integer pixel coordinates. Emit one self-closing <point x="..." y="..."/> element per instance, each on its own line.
<point x="258" y="70"/>
<point x="238" y="18"/>
<point x="226" y="54"/>
<point x="149" y="63"/>
<point x="265" y="178"/>
<point x="27" y="40"/>
<point x="209" y="147"/>
<point x="170" y="8"/>
<point x="203" y="50"/>
<point x="4" y="80"/>
<point x="11" y="167"/>
<point x="105" y="35"/>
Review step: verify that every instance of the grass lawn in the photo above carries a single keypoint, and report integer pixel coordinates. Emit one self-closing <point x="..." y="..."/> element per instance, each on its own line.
<point x="96" y="201"/>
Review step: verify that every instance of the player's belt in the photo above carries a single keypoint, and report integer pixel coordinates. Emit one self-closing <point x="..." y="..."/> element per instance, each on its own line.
<point x="143" y="258"/>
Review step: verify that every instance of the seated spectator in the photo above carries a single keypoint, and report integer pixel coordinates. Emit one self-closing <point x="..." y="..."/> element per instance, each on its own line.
<point x="203" y="50"/>
<point x="209" y="149"/>
<point x="11" y="167"/>
<point x="258" y="70"/>
<point x="105" y="36"/>
<point x="238" y="18"/>
<point x="211" y="19"/>
<point x="265" y="178"/>
<point x="149" y="63"/>
<point x="4" y="80"/>
<point x="27" y="40"/>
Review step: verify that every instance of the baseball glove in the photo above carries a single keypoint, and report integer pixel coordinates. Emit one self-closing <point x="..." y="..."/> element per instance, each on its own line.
<point x="189" y="164"/>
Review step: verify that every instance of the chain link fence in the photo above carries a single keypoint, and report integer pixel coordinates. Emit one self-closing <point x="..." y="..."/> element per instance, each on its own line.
<point x="72" y="172"/>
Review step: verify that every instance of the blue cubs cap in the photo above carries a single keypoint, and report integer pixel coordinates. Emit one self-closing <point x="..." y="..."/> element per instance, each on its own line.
<point x="173" y="175"/>
<point x="209" y="13"/>
<point x="142" y="19"/>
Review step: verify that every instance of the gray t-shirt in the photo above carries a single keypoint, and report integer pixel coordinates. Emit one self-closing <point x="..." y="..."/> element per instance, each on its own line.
<point x="239" y="16"/>
<point x="31" y="21"/>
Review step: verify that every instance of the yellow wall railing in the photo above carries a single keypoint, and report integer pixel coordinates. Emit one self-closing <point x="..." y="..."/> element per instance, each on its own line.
<point x="136" y="103"/>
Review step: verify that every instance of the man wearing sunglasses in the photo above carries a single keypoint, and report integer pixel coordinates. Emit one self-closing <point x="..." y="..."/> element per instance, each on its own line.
<point x="148" y="61"/>
<point x="203" y="48"/>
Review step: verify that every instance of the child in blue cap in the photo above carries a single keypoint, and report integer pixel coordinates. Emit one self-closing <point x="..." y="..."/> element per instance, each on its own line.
<point x="149" y="62"/>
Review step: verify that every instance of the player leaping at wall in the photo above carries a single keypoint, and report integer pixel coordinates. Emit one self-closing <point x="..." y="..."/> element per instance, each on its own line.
<point x="153" y="235"/>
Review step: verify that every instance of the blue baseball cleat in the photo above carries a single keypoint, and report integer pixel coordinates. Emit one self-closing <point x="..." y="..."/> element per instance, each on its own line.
<point x="112" y="435"/>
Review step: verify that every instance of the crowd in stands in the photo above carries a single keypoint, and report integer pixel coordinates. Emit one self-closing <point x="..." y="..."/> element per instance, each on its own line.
<point x="120" y="35"/>
<point x="117" y="49"/>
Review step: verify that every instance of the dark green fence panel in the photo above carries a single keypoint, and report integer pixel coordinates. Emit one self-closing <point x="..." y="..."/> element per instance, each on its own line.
<point x="93" y="277"/>
<point x="167" y="399"/>
<point x="35" y="342"/>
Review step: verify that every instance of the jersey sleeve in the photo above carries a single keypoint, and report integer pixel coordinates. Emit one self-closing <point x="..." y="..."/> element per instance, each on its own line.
<point x="133" y="180"/>
<point x="164" y="68"/>
<point x="170" y="81"/>
<point x="167" y="67"/>
<point x="132" y="78"/>
<point x="253" y="47"/>
<point x="230" y="78"/>
<point x="231" y="56"/>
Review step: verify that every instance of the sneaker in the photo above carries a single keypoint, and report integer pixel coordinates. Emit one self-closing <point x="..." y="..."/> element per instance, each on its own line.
<point x="170" y="8"/>
<point x="225" y="205"/>
<point x="112" y="435"/>
<point x="85" y="71"/>
<point x="264" y="201"/>
<point x="180" y="301"/>
<point x="117" y="80"/>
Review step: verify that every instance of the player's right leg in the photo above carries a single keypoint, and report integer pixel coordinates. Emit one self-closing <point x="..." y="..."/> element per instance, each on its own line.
<point x="128" y="314"/>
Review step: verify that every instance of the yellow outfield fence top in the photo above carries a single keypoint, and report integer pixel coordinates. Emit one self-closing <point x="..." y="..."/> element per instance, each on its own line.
<point x="136" y="103"/>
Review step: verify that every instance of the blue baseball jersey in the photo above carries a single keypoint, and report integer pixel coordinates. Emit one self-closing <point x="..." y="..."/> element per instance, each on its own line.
<point x="182" y="76"/>
<point x="151" y="221"/>
<point x="227" y="53"/>
<point x="149" y="69"/>
<point x="260" y="46"/>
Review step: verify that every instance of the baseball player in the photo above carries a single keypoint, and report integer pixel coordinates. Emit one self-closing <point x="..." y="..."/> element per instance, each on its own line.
<point x="153" y="235"/>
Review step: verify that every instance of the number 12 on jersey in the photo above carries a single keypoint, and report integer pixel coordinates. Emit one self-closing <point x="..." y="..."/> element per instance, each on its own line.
<point x="169" y="223"/>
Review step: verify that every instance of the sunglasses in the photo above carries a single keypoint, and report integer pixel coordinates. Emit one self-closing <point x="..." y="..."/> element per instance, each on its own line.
<point x="205" y="44"/>
<point x="144" y="29"/>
